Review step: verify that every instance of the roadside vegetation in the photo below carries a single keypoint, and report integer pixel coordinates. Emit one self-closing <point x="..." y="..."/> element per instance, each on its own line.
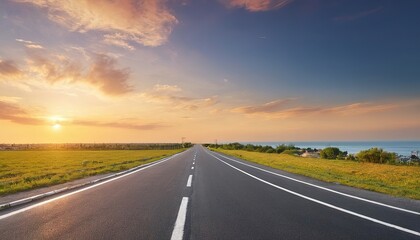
<point x="396" y="180"/>
<point x="24" y="170"/>
<point x="373" y="155"/>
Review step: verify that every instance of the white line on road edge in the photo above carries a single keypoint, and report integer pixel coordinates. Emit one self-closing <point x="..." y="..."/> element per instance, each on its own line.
<point x="324" y="188"/>
<point x="83" y="189"/>
<point x="178" y="232"/>
<point x="189" y="181"/>
<point x="324" y="203"/>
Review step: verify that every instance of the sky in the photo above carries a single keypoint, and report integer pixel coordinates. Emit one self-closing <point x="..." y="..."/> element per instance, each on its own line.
<point x="231" y="70"/>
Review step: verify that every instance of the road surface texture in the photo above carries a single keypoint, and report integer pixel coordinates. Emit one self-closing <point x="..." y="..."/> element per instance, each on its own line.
<point x="199" y="194"/>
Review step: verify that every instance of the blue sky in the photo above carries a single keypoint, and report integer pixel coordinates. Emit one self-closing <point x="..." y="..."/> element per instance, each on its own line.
<point x="357" y="49"/>
<point x="246" y="70"/>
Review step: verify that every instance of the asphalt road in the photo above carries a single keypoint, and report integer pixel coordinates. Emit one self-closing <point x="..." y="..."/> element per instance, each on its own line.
<point x="199" y="194"/>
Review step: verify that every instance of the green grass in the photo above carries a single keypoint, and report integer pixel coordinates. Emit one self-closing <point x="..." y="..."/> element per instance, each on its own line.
<point x="402" y="181"/>
<point x="24" y="170"/>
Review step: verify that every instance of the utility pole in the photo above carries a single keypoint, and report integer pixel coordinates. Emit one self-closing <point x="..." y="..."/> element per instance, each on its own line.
<point x="182" y="141"/>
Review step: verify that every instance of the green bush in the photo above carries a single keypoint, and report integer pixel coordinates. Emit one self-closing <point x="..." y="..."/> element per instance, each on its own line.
<point x="249" y="147"/>
<point x="330" y="153"/>
<point x="270" y="150"/>
<point x="377" y="155"/>
<point x="283" y="147"/>
<point x="351" y="157"/>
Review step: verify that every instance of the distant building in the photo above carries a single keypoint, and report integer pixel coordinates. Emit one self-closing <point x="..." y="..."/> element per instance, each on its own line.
<point x="310" y="154"/>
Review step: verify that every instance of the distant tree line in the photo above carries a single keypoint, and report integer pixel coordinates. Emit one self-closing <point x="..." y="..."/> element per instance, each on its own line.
<point x="372" y="155"/>
<point x="283" y="148"/>
<point x="95" y="146"/>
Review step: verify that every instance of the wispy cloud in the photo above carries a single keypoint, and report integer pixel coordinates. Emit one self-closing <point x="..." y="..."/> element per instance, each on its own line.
<point x="9" y="99"/>
<point x="11" y="111"/>
<point x="281" y="109"/>
<point x="269" y="107"/>
<point x="147" y="22"/>
<point x="171" y="94"/>
<point x="117" y="40"/>
<point x="100" y="71"/>
<point x="124" y="125"/>
<point x="52" y="68"/>
<point x="14" y="113"/>
<point x="358" y="15"/>
<point x="257" y="5"/>
<point x="359" y="108"/>
<point x="29" y="44"/>
<point x="166" y="88"/>
<point x="104" y="75"/>
<point x="8" y="68"/>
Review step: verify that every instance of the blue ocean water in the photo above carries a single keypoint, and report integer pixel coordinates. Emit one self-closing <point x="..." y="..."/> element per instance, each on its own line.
<point x="400" y="147"/>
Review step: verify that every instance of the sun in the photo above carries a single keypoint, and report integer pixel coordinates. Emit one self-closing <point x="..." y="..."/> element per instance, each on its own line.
<point x="56" y="122"/>
<point x="56" y="126"/>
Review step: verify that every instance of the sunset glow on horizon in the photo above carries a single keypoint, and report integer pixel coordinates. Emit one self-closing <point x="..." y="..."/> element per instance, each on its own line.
<point x="231" y="70"/>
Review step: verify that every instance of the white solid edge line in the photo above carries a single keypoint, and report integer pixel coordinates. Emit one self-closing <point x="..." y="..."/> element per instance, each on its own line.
<point x="178" y="232"/>
<point x="324" y="188"/>
<point x="324" y="203"/>
<point x="83" y="189"/>
<point x="189" y="181"/>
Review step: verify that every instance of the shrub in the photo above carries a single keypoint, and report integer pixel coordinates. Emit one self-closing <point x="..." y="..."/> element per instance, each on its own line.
<point x="249" y="147"/>
<point x="281" y="148"/>
<point x="330" y="153"/>
<point x="351" y="157"/>
<point x="377" y="155"/>
<point x="270" y="150"/>
<point x="342" y="155"/>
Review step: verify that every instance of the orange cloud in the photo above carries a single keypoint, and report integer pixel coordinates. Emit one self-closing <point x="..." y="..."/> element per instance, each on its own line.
<point x="16" y="114"/>
<point x="101" y="71"/>
<point x="359" y="108"/>
<point x="150" y="126"/>
<point x="10" y="111"/>
<point x="165" y="94"/>
<point x="166" y="88"/>
<point x="278" y="109"/>
<point x="257" y="5"/>
<point x="147" y="22"/>
<point x="52" y="68"/>
<point x="109" y="79"/>
<point x="273" y="106"/>
<point x="117" y="40"/>
<point x="13" y="112"/>
<point x="9" y="68"/>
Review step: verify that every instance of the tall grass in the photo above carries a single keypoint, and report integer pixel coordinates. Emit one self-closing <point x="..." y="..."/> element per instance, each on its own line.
<point x="23" y="170"/>
<point x="402" y="181"/>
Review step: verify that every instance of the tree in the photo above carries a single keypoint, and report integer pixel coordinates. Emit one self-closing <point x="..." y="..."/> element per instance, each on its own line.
<point x="330" y="153"/>
<point x="377" y="155"/>
<point x="270" y="150"/>
<point x="283" y="147"/>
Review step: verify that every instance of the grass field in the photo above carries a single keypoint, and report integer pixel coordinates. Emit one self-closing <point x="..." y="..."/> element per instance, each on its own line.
<point x="23" y="170"/>
<point x="402" y="181"/>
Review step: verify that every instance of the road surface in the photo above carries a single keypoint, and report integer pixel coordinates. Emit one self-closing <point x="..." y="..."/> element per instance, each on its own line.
<point x="200" y="194"/>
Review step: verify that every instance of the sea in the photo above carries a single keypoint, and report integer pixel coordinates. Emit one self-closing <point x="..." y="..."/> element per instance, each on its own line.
<point x="403" y="148"/>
